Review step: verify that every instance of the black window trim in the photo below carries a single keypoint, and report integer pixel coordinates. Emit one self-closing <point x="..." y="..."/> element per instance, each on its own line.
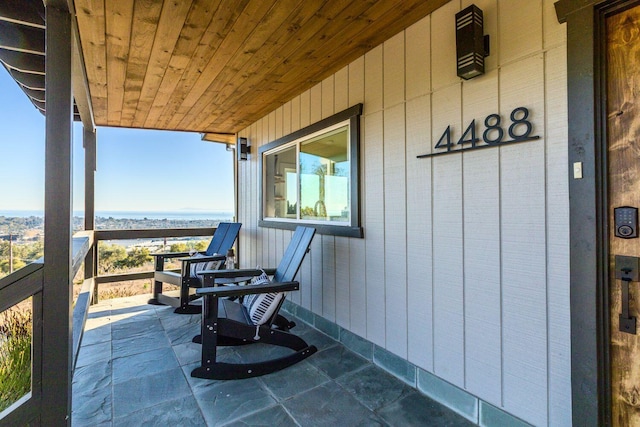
<point x="354" y="229"/>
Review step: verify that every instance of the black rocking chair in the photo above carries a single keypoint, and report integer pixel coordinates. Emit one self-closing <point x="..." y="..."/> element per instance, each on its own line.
<point x="214" y="257"/>
<point x="255" y="319"/>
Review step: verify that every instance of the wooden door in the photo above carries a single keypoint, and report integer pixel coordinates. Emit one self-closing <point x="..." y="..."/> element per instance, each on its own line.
<point x="623" y="126"/>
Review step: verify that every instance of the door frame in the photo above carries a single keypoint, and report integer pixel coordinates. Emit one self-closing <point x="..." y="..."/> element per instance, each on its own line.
<point x="589" y="239"/>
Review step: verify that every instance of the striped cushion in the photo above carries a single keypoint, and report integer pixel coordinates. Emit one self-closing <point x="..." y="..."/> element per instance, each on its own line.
<point x="262" y="306"/>
<point x="202" y="266"/>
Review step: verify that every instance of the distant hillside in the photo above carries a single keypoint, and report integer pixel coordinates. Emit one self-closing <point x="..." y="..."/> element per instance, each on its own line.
<point x="32" y="226"/>
<point x="20" y="225"/>
<point x="130" y="224"/>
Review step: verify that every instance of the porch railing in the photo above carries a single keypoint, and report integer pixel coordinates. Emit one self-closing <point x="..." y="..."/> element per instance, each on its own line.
<point x="14" y="289"/>
<point x="28" y="282"/>
<point x="103" y="235"/>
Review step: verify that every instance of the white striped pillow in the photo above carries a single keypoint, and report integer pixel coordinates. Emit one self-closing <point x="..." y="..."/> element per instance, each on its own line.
<point x="202" y="266"/>
<point x="262" y="306"/>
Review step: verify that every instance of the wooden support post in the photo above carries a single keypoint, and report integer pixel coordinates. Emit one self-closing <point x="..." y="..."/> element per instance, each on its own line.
<point x="57" y="292"/>
<point x="89" y="143"/>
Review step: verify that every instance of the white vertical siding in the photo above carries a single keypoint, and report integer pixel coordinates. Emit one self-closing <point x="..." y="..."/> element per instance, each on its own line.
<point x="328" y="277"/>
<point x="524" y="248"/>
<point x="374" y="229"/>
<point x="464" y="267"/>
<point x="341" y="90"/>
<point x="482" y="325"/>
<point x="357" y="265"/>
<point x="515" y="39"/>
<point x="279" y="122"/>
<point x="306" y="278"/>
<point x="418" y="59"/>
<point x="374" y="188"/>
<point x="448" y="307"/>
<point x="342" y="250"/>
<point x="419" y="235"/>
<point x="342" y="288"/>
<point x="286" y="118"/>
<point x="418" y="188"/>
<point x="271" y="126"/>
<point x="448" y="291"/>
<point x="328" y="242"/>
<point x="553" y="34"/>
<point x="315" y="112"/>
<point x="263" y="256"/>
<point x="317" y="291"/>
<point x="250" y="223"/>
<point x="395" y="230"/>
<point x="481" y="181"/>
<point x="395" y="211"/>
<point x="373" y="87"/>
<point x="327" y="99"/>
<point x="558" y="321"/>
<point x="393" y="71"/>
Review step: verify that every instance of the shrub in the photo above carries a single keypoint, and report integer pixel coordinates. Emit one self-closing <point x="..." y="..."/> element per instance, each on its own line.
<point x="15" y="356"/>
<point x="135" y="258"/>
<point x="109" y="257"/>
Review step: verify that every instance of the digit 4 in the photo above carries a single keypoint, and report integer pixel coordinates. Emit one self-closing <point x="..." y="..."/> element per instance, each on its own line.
<point x="469" y="135"/>
<point x="445" y="139"/>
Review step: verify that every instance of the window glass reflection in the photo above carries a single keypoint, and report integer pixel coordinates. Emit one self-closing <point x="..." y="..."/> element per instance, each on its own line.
<point x="281" y="184"/>
<point x="324" y="177"/>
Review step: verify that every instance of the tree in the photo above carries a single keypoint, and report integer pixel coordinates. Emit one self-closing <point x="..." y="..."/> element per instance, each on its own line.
<point x="22" y="255"/>
<point x="178" y="247"/>
<point x="135" y="258"/>
<point x="109" y="257"/>
<point x="199" y="246"/>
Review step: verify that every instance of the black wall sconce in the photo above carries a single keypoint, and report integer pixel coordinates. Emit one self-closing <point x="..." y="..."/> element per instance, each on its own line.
<point x="243" y="149"/>
<point x="471" y="43"/>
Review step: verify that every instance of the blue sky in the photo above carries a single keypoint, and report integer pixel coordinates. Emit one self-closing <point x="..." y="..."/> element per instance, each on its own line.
<point x="138" y="170"/>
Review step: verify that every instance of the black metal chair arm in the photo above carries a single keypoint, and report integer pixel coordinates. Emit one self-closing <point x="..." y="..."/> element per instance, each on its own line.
<point x="205" y="258"/>
<point x="243" y="272"/>
<point x="234" y="290"/>
<point x="170" y="254"/>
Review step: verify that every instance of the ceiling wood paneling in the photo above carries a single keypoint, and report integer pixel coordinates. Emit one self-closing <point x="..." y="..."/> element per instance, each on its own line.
<point x="218" y="66"/>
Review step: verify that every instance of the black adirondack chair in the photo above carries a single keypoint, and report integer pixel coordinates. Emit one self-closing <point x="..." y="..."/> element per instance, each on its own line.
<point x="256" y="319"/>
<point x="213" y="258"/>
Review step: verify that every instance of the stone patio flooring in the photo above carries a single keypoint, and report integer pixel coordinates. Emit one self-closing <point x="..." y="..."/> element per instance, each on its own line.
<point x="134" y="370"/>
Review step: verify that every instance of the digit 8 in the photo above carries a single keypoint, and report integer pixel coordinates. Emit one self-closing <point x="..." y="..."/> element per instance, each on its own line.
<point x="522" y="121"/>
<point x="492" y="127"/>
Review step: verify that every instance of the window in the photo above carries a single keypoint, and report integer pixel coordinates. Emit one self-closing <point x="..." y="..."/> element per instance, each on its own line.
<point x="311" y="177"/>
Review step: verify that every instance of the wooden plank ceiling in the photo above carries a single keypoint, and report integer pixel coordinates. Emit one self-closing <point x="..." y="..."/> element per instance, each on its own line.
<point x="22" y="48"/>
<point x="216" y="66"/>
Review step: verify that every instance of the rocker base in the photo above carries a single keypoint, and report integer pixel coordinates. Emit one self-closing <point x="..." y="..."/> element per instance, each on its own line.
<point x="230" y="371"/>
<point x="189" y="309"/>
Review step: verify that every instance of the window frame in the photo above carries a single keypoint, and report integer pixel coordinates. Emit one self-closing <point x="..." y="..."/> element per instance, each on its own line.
<point x="350" y="228"/>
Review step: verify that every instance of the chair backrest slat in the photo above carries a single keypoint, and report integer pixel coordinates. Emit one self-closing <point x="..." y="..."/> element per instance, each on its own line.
<point x="293" y="256"/>
<point x="223" y="238"/>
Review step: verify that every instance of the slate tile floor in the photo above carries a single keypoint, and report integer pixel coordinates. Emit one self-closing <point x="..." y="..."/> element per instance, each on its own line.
<point x="134" y="370"/>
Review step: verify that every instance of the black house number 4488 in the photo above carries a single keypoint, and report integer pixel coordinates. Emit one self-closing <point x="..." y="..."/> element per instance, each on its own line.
<point x="519" y="130"/>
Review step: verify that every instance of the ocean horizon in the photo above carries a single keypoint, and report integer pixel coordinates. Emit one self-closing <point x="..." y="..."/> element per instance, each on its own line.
<point x="173" y="215"/>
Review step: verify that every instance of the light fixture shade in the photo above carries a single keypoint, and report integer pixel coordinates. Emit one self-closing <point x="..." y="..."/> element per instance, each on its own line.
<point x="243" y="149"/>
<point x="470" y="44"/>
